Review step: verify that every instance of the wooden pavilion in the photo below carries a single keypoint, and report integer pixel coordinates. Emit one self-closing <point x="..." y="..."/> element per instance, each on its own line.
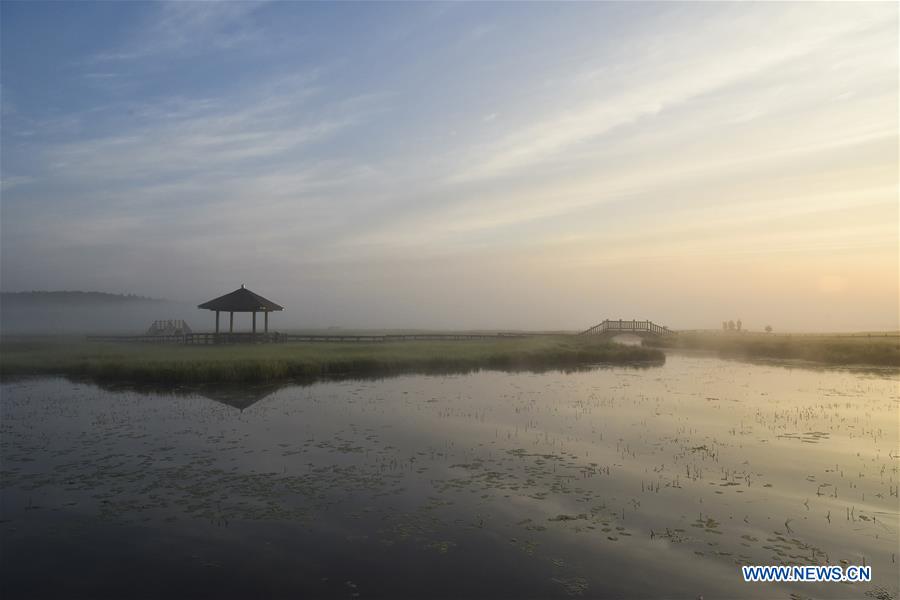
<point x="241" y="300"/>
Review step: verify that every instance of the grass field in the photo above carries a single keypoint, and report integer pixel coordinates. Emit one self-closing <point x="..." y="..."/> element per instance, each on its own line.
<point x="265" y="363"/>
<point x="861" y="349"/>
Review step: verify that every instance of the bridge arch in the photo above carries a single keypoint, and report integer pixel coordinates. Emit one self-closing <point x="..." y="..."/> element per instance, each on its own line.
<point x="623" y="326"/>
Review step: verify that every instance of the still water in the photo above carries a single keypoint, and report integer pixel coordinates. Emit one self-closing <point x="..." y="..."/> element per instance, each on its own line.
<point x="612" y="482"/>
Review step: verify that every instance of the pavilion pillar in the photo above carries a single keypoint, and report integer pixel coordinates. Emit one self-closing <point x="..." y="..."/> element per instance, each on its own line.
<point x="217" y="322"/>
<point x="254" y="322"/>
<point x="230" y="322"/>
<point x="266" y="316"/>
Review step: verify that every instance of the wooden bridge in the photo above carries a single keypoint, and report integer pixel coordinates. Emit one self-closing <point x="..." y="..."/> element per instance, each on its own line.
<point x="620" y="326"/>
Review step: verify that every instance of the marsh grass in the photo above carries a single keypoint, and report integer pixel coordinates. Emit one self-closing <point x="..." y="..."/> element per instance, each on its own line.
<point x="265" y="363"/>
<point x="863" y="349"/>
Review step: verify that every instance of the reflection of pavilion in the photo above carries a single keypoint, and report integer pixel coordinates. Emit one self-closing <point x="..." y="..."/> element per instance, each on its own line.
<point x="235" y="396"/>
<point x="238" y="397"/>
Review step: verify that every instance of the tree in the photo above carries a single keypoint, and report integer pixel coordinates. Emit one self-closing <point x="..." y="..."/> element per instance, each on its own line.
<point x="730" y="325"/>
<point x="768" y="329"/>
<point x="738" y="324"/>
<point x="724" y="325"/>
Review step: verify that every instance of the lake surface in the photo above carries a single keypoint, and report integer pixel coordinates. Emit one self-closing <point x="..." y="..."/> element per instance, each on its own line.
<point x="613" y="482"/>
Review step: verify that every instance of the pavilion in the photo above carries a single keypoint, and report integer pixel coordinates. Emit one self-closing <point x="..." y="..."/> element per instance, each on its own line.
<point x="241" y="300"/>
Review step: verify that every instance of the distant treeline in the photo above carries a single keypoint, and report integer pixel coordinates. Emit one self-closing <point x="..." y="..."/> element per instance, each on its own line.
<point x="69" y="298"/>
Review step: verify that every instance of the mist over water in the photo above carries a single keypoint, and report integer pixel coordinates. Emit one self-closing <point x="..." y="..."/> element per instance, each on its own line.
<point x="131" y="318"/>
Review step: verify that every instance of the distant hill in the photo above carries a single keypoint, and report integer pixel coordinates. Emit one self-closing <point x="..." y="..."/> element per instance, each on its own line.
<point x="70" y="299"/>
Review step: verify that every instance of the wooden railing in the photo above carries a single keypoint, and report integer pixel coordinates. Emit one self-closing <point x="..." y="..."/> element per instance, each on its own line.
<point x="262" y="338"/>
<point x="160" y="339"/>
<point x="633" y="326"/>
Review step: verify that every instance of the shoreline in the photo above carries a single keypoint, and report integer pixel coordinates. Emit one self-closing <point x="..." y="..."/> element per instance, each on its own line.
<point x="881" y="351"/>
<point x="304" y="363"/>
<point x="139" y="364"/>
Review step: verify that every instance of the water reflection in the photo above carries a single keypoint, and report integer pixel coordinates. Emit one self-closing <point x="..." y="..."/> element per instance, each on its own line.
<point x="615" y="481"/>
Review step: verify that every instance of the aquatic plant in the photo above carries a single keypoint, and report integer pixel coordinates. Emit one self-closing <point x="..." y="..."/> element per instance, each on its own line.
<point x="177" y="364"/>
<point x="862" y="349"/>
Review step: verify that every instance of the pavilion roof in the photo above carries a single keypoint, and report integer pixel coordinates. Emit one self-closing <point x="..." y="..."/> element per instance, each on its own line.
<point x="241" y="300"/>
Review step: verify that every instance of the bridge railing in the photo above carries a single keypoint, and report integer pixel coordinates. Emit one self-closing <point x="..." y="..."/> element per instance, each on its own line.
<point x="621" y="325"/>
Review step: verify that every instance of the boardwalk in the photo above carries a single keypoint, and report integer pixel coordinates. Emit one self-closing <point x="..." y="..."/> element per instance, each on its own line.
<point x="620" y="326"/>
<point x="606" y="327"/>
<point x="260" y="338"/>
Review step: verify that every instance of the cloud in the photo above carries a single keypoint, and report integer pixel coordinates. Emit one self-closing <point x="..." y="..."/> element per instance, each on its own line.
<point x="210" y="136"/>
<point x="8" y="181"/>
<point x="223" y="174"/>
<point x="657" y="83"/>
<point x="176" y="26"/>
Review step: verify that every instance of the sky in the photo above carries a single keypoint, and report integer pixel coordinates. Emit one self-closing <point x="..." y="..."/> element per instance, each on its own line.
<point x="459" y="165"/>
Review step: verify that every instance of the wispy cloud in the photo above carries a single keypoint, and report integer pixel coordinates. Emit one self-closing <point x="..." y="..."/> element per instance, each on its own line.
<point x="201" y="136"/>
<point x="8" y="181"/>
<point x="660" y="83"/>
<point x="188" y="26"/>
